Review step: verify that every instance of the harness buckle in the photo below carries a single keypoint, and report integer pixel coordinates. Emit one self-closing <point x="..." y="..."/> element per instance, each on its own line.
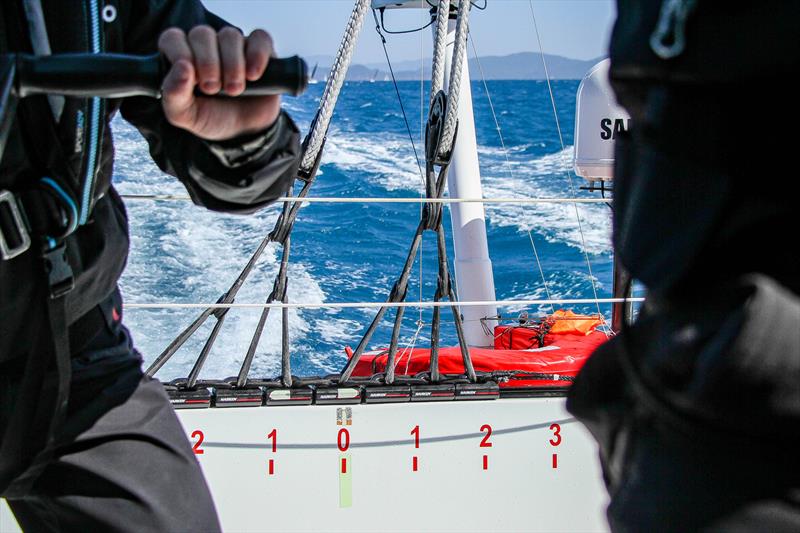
<point x="14" y="237"/>
<point x="59" y="272"/>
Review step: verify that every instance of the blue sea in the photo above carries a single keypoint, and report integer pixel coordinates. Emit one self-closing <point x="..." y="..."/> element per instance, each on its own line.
<point x="181" y="253"/>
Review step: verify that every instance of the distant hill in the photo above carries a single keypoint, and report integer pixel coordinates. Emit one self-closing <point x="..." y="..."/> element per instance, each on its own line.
<point x="519" y="66"/>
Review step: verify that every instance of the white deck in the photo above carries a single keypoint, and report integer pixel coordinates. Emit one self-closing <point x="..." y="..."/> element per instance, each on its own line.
<point x="520" y="489"/>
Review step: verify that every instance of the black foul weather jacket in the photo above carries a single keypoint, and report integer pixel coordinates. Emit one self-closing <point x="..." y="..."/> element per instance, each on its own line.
<point x="696" y="405"/>
<point x="70" y="144"/>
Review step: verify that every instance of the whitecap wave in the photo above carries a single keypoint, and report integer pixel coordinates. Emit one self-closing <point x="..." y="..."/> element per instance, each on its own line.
<point x="183" y="253"/>
<point x="389" y="162"/>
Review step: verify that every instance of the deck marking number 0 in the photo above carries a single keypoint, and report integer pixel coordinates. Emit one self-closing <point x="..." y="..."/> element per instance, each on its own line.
<point x="345" y="469"/>
<point x="343" y="440"/>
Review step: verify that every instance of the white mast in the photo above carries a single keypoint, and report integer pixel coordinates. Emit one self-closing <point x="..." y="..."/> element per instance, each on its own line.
<point x="473" y="268"/>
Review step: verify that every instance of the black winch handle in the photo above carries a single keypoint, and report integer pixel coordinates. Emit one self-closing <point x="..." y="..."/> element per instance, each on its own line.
<point x="121" y="76"/>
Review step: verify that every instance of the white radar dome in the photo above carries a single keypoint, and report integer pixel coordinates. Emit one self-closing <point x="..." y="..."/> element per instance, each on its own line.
<point x="598" y="121"/>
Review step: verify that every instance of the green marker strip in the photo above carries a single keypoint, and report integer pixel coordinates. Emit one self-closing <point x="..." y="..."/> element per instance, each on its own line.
<point x="345" y="481"/>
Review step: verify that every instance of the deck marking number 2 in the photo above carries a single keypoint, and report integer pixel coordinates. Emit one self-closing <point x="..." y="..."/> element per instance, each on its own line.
<point x="555" y="441"/>
<point x="486" y="428"/>
<point x="197" y="434"/>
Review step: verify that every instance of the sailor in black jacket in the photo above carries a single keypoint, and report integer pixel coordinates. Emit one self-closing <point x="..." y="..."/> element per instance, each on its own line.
<point x="696" y="405"/>
<point x="115" y="455"/>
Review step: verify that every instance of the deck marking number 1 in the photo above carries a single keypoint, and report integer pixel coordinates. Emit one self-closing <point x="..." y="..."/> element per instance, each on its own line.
<point x="486" y="428"/>
<point x="273" y="436"/>
<point x="415" y="459"/>
<point x="555" y="441"/>
<point x="197" y="434"/>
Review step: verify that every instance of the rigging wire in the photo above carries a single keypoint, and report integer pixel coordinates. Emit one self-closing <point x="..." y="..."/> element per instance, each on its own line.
<point x="378" y="27"/>
<point x="312" y="151"/>
<point x="420" y="321"/>
<point x="344" y="55"/>
<point x="382" y="10"/>
<point x="397" y="91"/>
<point x="399" y="32"/>
<point x="431" y="220"/>
<point x="473" y="2"/>
<point x="508" y="160"/>
<point x="563" y="147"/>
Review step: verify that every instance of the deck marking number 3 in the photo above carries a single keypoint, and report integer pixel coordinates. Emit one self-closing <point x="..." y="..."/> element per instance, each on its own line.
<point x="556" y="429"/>
<point x="555" y="441"/>
<point x="197" y="434"/>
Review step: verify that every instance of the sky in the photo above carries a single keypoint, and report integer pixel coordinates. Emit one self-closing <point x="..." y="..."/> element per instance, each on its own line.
<point x="577" y="29"/>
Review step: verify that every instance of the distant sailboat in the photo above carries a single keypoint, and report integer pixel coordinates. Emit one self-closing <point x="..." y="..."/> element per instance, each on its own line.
<point x="313" y="78"/>
<point x="374" y="75"/>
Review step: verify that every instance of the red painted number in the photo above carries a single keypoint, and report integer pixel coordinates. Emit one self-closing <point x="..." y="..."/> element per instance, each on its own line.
<point x="273" y="436"/>
<point x="556" y="429"/>
<point x="197" y="434"/>
<point x="415" y="432"/>
<point x="488" y="430"/>
<point x="343" y="440"/>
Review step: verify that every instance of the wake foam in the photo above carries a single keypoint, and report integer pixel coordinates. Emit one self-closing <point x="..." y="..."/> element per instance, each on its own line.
<point x="389" y="162"/>
<point x="184" y="253"/>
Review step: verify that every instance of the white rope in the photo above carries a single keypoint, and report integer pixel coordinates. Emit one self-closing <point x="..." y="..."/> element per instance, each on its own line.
<point x="376" y="305"/>
<point x="439" y="47"/>
<point x="456" y="69"/>
<point x="508" y="160"/>
<point x="409" y="349"/>
<point x="335" y="81"/>
<point x="561" y="140"/>
<point x="385" y="200"/>
<point x="541" y="271"/>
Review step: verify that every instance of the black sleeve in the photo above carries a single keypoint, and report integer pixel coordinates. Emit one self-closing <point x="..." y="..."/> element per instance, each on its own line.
<point x="239" y="175"/>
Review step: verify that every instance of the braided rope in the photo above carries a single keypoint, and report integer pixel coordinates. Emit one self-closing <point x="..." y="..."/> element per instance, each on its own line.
<point x="456" y="69"/>
<point x="334" y="85"/>
<point x="440" y="47"/>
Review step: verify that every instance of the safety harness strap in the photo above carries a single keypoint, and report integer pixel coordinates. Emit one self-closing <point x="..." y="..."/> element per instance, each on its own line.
<point x="42" y="403"/>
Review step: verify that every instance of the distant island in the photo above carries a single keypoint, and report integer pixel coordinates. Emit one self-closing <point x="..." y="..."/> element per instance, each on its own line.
<point x="518" y="66"/>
